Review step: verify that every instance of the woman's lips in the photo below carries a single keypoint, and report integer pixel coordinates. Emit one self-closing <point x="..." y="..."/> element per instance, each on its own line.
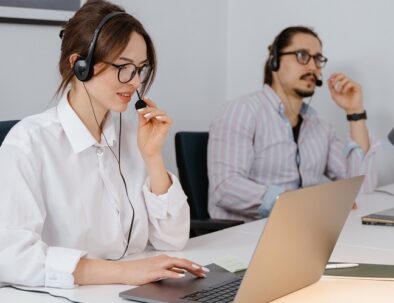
<point x="125" y="97"/>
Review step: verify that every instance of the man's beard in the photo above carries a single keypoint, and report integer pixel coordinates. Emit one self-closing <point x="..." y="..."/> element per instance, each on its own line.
<point x="304" y="93"/>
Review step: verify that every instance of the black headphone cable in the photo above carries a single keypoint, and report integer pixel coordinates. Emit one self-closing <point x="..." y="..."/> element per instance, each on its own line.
<point x="39" y="292"/>
<point x="119" y="167"/>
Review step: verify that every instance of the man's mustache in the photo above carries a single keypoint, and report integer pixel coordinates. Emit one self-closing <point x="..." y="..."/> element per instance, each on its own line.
<point x="305" y="76"/>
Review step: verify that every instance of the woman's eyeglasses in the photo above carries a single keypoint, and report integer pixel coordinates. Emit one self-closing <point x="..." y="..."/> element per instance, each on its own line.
<point x="127" y="71"/>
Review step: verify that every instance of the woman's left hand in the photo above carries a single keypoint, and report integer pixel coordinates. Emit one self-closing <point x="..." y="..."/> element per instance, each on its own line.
<point x="153" y="128"/>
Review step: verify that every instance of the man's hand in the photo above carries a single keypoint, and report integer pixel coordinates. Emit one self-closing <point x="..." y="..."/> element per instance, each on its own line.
<point x="346" y="93"/>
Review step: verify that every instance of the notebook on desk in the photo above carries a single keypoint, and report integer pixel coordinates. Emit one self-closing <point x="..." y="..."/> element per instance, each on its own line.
<point x="292" y="252"/>
<point x="364" y="271"/>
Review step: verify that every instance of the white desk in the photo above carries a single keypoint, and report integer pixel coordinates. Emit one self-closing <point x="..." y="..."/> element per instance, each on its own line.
<point x="357" y="243"/>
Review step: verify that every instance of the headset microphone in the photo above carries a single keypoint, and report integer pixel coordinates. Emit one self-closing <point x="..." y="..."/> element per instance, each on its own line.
<point x="140" y="103"/>
<point x="319" y="81"/>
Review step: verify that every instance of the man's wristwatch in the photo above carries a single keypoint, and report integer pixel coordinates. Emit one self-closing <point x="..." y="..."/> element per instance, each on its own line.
<point x="356" y="117"/>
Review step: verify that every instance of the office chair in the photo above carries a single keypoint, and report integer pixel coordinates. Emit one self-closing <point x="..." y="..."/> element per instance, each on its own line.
<point x="191" y="159"/>
<point x="5" y="127"/>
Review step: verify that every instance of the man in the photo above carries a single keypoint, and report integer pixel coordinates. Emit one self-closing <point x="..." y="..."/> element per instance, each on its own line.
<point x="271" y="141"/>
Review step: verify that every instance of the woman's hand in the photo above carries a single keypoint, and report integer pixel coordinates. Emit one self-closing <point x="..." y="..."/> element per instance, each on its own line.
<point x="153" y="128"/>
<point x="138" y="272"/>
<point x="135" y="272"/>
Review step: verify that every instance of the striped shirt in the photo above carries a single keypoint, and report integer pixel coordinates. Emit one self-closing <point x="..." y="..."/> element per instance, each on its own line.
<point x="252" y="156"/>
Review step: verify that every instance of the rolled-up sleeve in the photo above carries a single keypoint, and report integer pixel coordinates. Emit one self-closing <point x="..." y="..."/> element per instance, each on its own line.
<point x="169" y="216"/>
<point x="25" y="259"/>
<point x="347" y="159"/>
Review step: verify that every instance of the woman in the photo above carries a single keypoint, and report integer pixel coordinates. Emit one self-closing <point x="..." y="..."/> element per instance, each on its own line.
<point x="80" y="187"/>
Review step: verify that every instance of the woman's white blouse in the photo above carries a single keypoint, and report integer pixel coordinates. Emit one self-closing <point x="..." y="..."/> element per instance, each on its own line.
<point x="62" y="198"/>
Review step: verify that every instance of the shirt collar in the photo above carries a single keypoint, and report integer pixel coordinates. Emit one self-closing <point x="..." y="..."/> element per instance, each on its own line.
<point x="77" y="133"/>
<point x="277" y="103"/>
<point x="273" y="98"/>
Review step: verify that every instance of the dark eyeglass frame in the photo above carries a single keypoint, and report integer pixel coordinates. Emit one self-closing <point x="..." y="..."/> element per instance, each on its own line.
<point x="132" y="75"/>
<point x="319" y="59"/>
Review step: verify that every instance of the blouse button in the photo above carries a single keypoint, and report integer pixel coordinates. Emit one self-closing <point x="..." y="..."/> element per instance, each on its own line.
<point x="99" y="151"/>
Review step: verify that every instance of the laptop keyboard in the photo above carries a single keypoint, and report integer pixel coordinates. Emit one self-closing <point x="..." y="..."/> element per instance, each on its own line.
<point x="222" y="293"/>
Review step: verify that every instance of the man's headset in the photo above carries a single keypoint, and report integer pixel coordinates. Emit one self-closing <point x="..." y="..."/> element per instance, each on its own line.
<point x="274" y="62"/>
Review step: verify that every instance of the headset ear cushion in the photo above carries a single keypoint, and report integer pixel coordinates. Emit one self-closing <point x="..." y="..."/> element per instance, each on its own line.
<point x="274" y="63"/>
<point x="81" y="70"/>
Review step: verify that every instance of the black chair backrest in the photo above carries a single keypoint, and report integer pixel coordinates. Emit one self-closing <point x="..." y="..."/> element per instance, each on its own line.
<point x="191" y="159"/>
<point x="5" y="127"/>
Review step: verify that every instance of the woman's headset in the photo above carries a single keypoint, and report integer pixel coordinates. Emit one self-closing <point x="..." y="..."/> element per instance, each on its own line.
<point x="83" y="70"/>
<point x="83" y="67"/>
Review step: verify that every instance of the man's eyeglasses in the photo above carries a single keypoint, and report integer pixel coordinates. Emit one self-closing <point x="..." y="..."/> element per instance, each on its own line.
<point x="127" y="71"/>
<point x="303" y="57"/>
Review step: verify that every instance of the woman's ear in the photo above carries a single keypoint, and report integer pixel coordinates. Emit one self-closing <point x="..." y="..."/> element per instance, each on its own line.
<point x="72" y="59"/>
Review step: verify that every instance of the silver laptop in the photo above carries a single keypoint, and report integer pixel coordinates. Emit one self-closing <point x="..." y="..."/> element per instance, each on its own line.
<point x="291" y="253"/>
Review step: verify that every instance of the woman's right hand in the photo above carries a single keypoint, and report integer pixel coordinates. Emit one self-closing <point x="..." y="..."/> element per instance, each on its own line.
<point x="138" y="272"/>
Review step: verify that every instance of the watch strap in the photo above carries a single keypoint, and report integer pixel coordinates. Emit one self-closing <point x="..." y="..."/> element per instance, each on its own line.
<point x="357" y="116"/>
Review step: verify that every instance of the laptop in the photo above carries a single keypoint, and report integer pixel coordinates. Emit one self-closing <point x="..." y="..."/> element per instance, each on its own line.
<point x="292" y="252"/>
<point x="384" y="217"/>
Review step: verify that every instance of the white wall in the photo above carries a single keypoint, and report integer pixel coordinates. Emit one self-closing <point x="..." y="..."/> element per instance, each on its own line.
<point x="357" y="39"/>
<point x="212" y="51"/>
<point x="191" y="45"/>
<point x="28" y="75"/>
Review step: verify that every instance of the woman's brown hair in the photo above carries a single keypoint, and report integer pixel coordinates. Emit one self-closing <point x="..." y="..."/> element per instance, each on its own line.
<point x="114" y="37"/>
